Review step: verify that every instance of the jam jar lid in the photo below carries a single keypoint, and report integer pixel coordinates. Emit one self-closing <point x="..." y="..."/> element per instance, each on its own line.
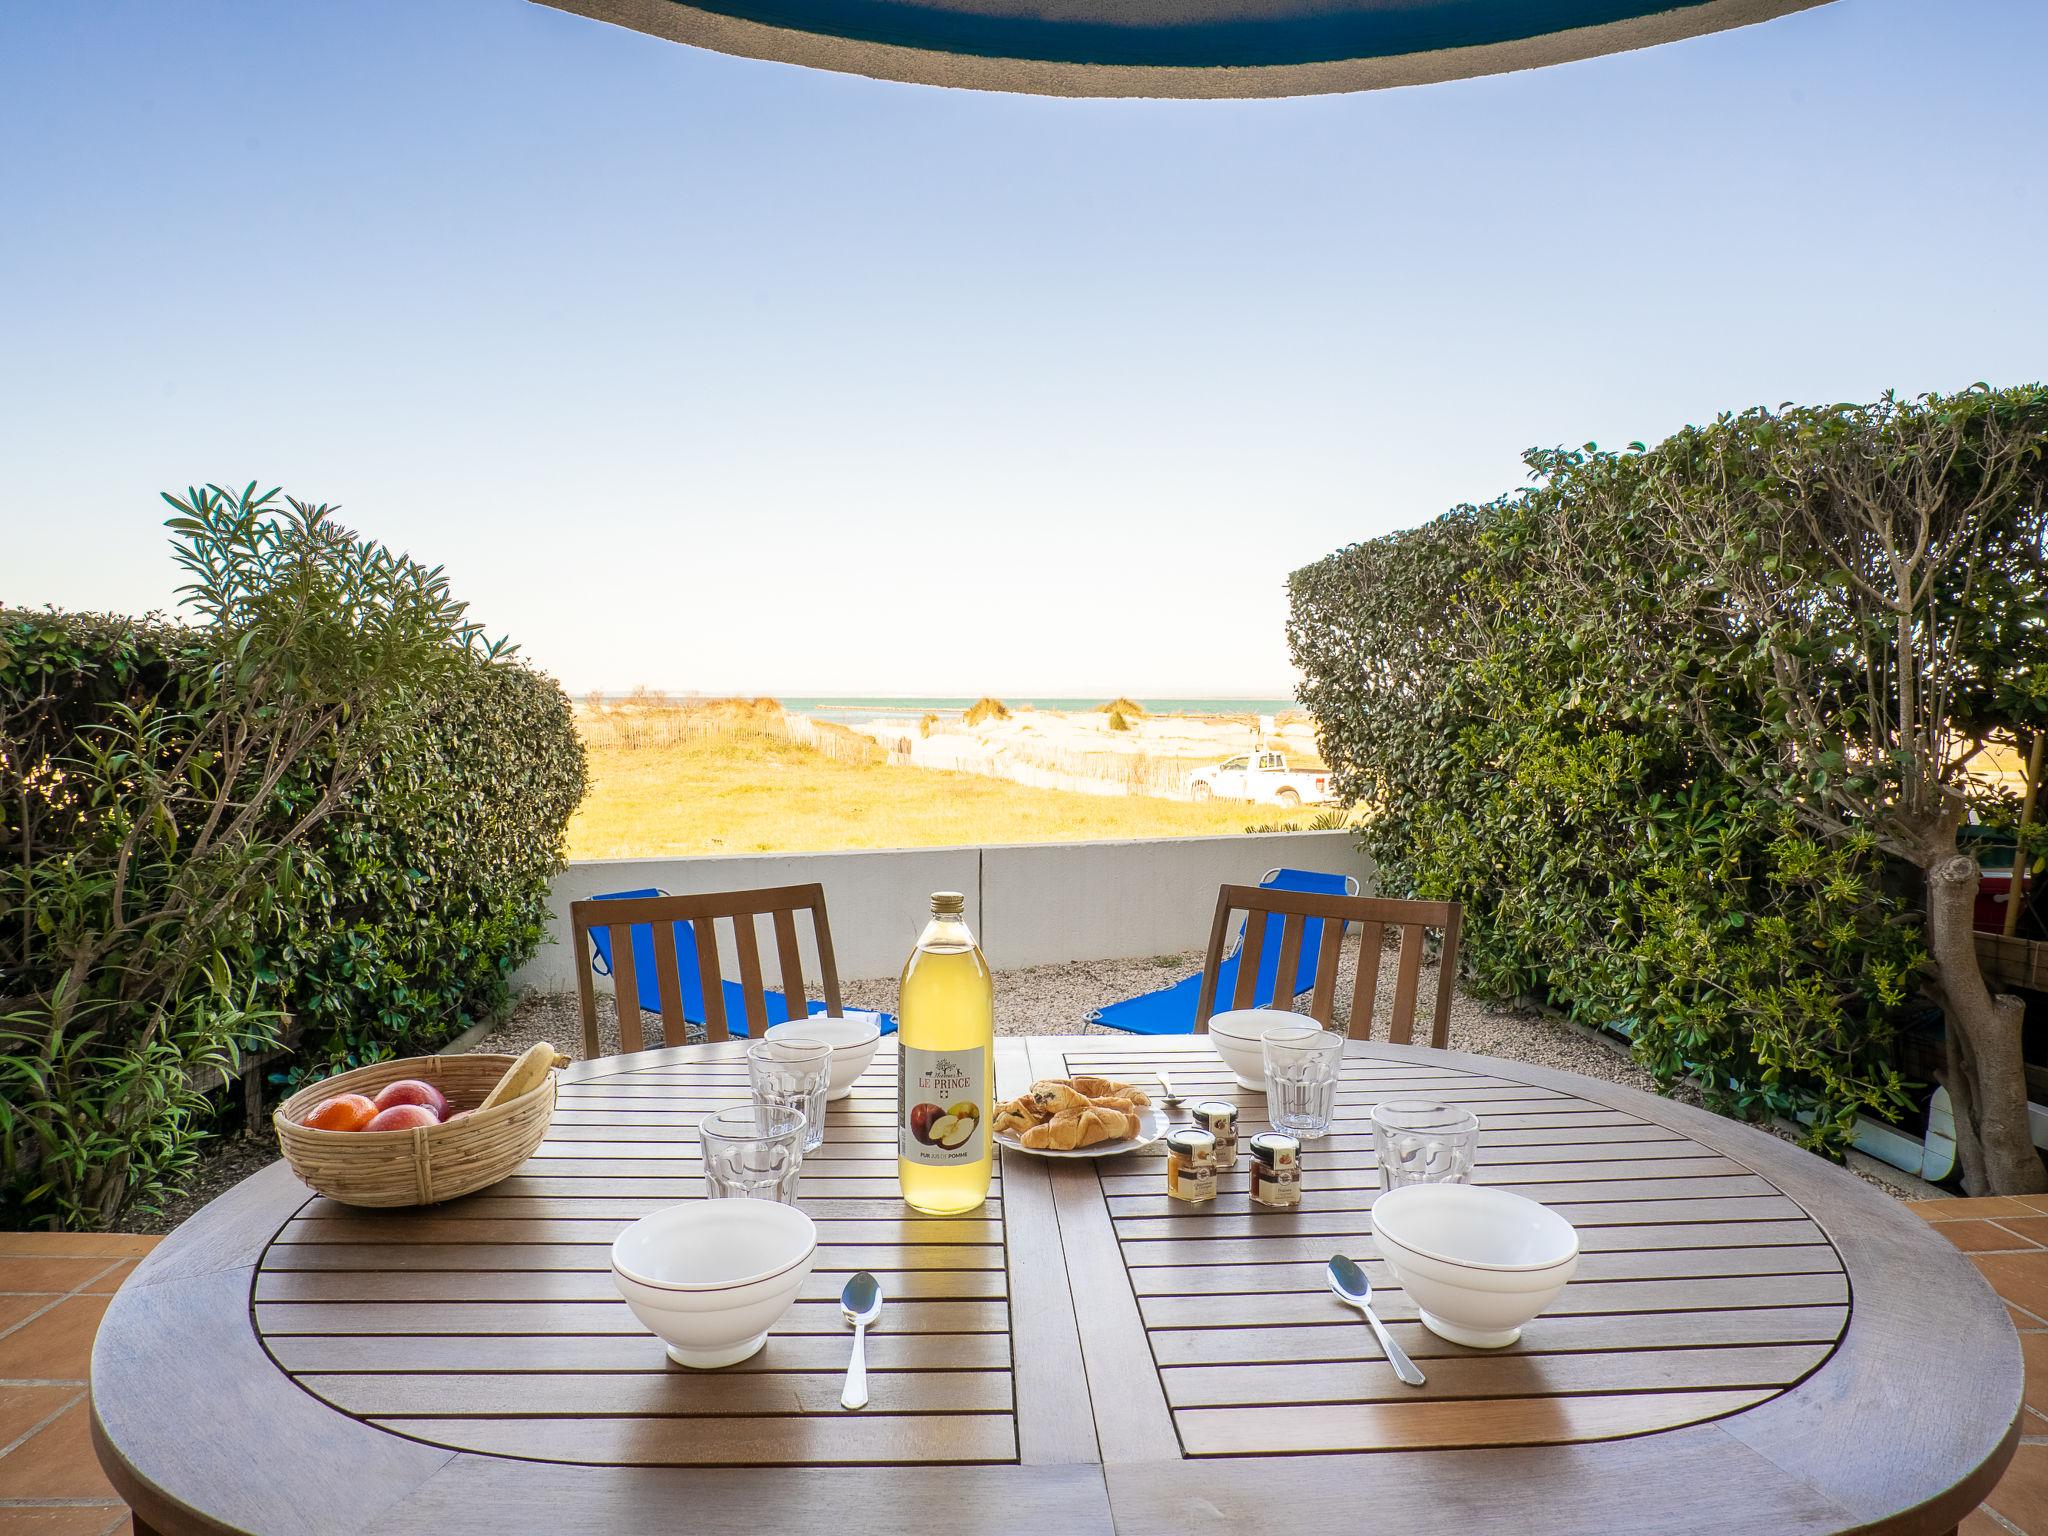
<point x="1269" y="1145"/>
<point x="1189" y="1140"/>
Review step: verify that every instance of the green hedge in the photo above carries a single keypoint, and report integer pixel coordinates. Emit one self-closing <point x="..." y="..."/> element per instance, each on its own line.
<point x="393" y="928"/>
<point x="1472" y="689"/>
<point x="431" y="888"/>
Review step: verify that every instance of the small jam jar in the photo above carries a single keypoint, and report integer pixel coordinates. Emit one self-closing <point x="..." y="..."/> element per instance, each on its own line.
<point x="1219" y="1120"/>
<point x="1276" y="1169"/>
<point x="1191" y="1164"/>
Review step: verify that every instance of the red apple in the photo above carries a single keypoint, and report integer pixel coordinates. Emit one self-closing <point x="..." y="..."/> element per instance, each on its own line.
<point x="922" y="1118"/>
<point x="403" y="1117"/>
<point x="410" y="1090"/>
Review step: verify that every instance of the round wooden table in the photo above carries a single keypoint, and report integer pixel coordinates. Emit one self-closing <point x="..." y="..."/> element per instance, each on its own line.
<point x="1755" y="1341"/>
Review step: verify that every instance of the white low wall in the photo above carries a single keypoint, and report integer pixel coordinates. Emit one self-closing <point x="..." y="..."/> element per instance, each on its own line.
<point x="1029" y="903"/>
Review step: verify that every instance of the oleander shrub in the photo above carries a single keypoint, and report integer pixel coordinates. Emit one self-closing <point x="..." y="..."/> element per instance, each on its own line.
<point x="320" y="800"/>
<point x="1663" y="814"/>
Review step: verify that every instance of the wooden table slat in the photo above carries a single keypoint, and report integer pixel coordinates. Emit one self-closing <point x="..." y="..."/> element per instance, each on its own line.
<point x="654" y="1393"/>
<point x="494" y="1286"/>
<point x="838" y="1257"/>
<point x="849" y="1438"/>
<point x="1679" y="1266"/>
<point x="587" y="1353"/>
<point x="1553" y="1333"/>
<point x="493" y="1317"/>
<point x="1747" y="1291"/>
<point x="1758" y="1367"/>
<point x="1440" y="1425"/>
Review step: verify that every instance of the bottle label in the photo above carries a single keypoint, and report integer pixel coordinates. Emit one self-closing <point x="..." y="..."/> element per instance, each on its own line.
<point x="942" y="1121"/>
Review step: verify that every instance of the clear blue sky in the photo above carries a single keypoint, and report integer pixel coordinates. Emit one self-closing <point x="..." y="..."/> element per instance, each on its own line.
<point x="701" y="372"/>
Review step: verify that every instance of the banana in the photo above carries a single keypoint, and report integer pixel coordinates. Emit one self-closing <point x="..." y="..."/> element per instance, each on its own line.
<point x="526" y="1074"/>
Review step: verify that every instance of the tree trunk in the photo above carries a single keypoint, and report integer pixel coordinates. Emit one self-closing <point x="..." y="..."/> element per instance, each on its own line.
<point x="1987" y="1076"/>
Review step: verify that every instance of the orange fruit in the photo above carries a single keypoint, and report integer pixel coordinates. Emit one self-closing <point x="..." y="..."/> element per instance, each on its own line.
<point x="343" y="1112"/>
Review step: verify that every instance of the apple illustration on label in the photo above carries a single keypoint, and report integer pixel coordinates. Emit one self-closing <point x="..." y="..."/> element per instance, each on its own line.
<point x="922" y="1118"/>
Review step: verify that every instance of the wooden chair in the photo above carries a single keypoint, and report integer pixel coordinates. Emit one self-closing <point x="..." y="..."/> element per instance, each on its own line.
<point x="659" y="914"/>
<point x="1373" y="917"/>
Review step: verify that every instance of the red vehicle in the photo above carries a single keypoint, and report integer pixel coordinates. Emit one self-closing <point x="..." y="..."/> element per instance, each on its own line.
<point x="1994" y="889"/>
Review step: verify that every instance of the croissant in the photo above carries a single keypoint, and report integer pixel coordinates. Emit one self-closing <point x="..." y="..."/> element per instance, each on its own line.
<point x="1082" y="1127"/>
<point x="1020" y="1114"/>
<point x="1128" y="1106"/>
<point x="1101" y="1088"/>
<point x="1055" y="1096"/>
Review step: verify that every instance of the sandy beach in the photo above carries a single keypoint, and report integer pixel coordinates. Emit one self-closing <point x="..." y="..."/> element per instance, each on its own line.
<point x="674" y="776"/>
<point x="1149" y="754"/>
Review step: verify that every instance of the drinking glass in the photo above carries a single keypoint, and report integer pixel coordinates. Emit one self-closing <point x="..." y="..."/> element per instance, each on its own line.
<point x="1301" y="1079"/>
<point x="1419" y="1141"/>
<point x="796" y="1074"/>
<point x="753" y="1151"/>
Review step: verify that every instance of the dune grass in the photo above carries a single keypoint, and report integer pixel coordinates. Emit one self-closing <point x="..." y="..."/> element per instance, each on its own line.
<point x="986" y="709"/>
<point x="743" y="790"/>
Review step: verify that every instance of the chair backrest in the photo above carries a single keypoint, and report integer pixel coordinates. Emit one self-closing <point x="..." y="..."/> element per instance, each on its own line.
<point x="1373" y="917"/>
<point x="1266" y="959"/>
<point x="660" y="916"/>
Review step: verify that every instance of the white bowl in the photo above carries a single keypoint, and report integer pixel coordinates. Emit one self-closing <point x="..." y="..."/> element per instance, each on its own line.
<point x="1236" y="1036"/>
<point x="854" y="1038"/>
<point x="1478" y="1263"/>
<point x="711" y="1277"/>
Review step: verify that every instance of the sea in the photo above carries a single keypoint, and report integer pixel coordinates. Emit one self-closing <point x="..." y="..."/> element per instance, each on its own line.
<point x="859" y="711"/>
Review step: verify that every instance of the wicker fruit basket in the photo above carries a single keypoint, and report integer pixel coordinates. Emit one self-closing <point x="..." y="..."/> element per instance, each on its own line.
<point x="431" y="1163"/>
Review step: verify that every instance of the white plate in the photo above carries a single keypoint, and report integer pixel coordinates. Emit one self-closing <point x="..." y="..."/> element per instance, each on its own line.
<point x="1151" y="1126"/>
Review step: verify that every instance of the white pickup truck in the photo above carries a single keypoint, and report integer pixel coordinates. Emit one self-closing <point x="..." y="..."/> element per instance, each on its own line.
<point x="1260" y="776"/>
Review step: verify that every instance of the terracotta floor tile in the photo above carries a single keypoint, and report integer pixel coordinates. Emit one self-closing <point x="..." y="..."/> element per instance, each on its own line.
<point x="81" y="1245"/>
<point x="1977" y="1523"/>
<point x="50" y="1245"/>
<point x="110" y="1282"/>
<point x="100" y="1519"/>
<point x="2033" y="1228"/>
<point x="1986" y="1236"/>
<point x="57" y="1462"/>
<point x="1983" y="1208"/>
<point x="2021" y="1278"/>
<point x="55" y="1274"/>
<point x="14" y="1308"/>
<point x="23" y="1408"/>
<point x="2035" y="1347"/>
<point x="2021" y="1495"/>
<point x="57" y="1345"/>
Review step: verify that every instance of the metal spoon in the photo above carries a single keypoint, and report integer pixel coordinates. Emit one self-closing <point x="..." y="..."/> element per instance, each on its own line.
<point x="1352" y="1287"/>
<point x="861" y="1301"/>
<point x="1167" y="1096"/>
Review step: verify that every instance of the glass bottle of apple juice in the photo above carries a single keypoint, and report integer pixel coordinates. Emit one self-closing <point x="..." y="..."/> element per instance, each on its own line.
<point x="946" y="1075"/>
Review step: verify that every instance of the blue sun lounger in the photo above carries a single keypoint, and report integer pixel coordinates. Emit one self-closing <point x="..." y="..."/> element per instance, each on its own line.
<point x="684" y="938"/>
<point x="1171" y="1010"/>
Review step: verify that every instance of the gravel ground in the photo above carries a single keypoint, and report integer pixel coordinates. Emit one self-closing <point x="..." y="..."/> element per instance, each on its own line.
<point x="1044" y="999"/>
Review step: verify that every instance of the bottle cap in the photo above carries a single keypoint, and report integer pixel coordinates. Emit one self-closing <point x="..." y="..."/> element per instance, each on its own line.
<point x="948" y="902"/>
